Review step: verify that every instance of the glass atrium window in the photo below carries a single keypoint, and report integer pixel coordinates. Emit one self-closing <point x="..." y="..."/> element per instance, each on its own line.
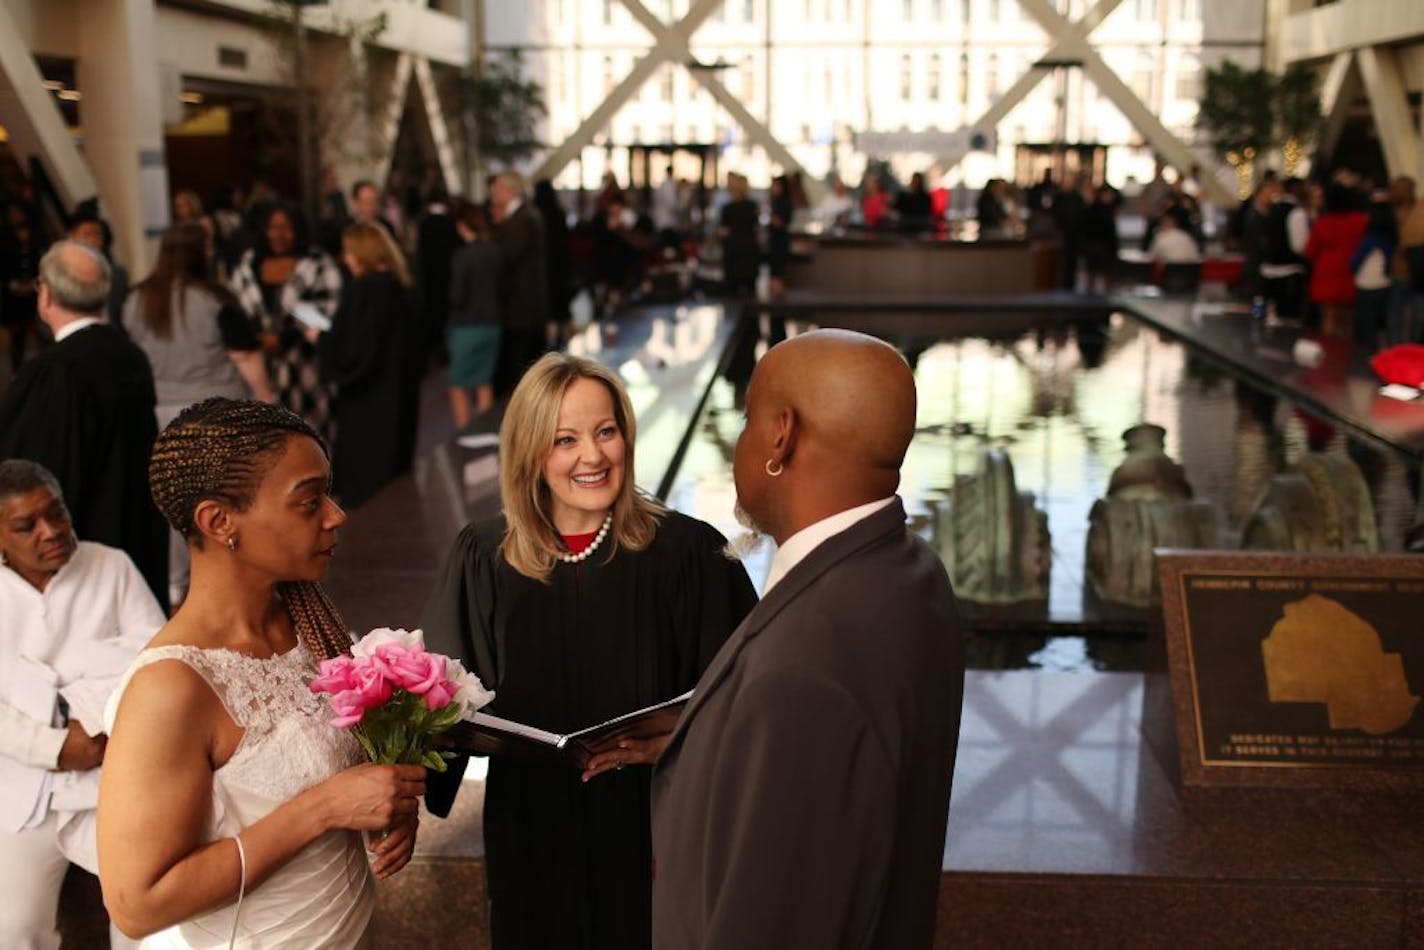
<point x="1188" y="79"/>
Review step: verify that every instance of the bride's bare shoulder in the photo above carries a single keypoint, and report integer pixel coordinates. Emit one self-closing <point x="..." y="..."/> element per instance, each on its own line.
<point x="170" y="687"/>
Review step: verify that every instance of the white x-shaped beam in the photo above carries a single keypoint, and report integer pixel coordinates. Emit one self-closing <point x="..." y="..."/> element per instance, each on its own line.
<point x="1379" y="70"/>
<point x="1384" y="79"/>
<point x="671" y="44"/>
<point x="1071" y="44"/>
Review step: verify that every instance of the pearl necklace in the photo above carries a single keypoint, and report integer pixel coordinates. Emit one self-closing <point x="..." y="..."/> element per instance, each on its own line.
<point x="593" y="545"/>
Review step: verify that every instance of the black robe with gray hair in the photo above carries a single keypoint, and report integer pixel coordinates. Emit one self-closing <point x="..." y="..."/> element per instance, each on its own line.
<point x="83" y="408"/>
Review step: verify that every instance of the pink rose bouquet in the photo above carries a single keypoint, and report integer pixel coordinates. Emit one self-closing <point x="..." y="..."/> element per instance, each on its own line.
<point x="396" y="696"/>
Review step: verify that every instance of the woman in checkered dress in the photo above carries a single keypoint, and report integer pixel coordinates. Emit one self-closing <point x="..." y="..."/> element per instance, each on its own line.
<point x="269" y="281"/>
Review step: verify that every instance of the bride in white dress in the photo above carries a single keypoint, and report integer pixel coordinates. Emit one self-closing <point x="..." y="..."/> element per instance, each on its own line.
<point x="230" y="809"/>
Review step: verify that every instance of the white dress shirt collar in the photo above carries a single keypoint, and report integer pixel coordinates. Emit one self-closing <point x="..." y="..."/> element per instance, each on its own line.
<point x="803" y="542"/>
<point x="74" y="326"/>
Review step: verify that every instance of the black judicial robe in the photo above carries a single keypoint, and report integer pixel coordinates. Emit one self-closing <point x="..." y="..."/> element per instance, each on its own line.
<point x="83" y="408"/>
<point x="371" y="355"/>
<point x="569" y="864"/>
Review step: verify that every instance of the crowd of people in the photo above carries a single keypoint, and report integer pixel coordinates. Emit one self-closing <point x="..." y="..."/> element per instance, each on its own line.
<point x="336" y="320"/>
<point x="1339" y="255"/>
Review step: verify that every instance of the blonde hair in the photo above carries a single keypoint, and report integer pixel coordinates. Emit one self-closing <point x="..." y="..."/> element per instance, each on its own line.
<point x="737" y="186"/>
<point x="375" y="251"/>
<point x="514" y="181"/>
<point x="531" y="543"/>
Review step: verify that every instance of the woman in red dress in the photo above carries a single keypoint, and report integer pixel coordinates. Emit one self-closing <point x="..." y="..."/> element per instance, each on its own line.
<point x="1333" y="239"/>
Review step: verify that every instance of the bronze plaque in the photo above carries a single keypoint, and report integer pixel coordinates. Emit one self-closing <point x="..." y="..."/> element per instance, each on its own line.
<point x="1291" y="669"/>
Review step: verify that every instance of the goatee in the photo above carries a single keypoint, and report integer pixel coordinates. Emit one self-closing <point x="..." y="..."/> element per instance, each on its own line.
<point x="746" y="543"/>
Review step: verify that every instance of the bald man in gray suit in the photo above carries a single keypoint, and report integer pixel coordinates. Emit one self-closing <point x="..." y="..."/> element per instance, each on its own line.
<point x="802" y="799"/>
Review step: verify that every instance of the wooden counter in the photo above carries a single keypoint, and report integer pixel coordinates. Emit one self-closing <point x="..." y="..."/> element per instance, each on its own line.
<point x="896" y="265"/>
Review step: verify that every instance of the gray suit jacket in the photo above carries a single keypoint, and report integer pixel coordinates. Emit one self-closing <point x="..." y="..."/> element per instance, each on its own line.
<point x="802" y="800"/>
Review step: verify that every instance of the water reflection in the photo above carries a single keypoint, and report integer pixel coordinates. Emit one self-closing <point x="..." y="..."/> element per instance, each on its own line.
<point x="1056" y="395"/>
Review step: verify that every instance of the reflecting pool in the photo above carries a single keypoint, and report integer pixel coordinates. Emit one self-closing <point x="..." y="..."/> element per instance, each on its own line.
<point x="1055" y="394"/>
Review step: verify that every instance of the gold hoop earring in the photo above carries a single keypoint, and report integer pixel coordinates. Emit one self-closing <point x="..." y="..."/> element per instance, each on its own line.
<point x="774" y="473"/>
<point x="232" y="542"/>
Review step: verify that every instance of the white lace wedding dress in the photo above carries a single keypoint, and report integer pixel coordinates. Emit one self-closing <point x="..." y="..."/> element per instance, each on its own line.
<point x="324" y="896"/>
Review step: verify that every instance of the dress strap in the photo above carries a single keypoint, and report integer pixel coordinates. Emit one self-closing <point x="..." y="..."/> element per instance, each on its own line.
<point x="245" y="685"/>
<point x="192" y="657"/>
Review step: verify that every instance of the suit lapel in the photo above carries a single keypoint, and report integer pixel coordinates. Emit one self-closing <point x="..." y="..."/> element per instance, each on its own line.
<point x="831" y="552"/>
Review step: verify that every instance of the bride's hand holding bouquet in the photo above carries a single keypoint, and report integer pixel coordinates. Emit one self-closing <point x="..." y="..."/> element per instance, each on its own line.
<point x="395" y="697"/>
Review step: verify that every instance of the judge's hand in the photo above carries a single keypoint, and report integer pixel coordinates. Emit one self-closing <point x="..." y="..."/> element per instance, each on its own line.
<point x="627" y="752"/>
<point x="312" y="334"/>
<point x="80" y="752"/>
<point x="394" y="848"/>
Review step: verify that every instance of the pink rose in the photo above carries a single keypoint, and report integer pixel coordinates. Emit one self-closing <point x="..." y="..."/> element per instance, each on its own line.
<point x="348" y="707"/>
<point x="370" y="685"/>
<point x="413" y="670"/>
<point x="334" y="675"/>
<point x="384" y="656"/>
<point x="441" y="694"/>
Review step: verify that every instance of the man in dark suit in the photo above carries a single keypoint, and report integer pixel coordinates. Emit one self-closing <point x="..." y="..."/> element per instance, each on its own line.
<point x="83" y="409"/>
<point x="802" y="799"/>
<point x="519" y="232"/>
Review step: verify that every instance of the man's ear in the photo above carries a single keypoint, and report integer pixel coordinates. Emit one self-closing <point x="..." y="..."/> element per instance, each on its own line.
<point x="783" y="436"/>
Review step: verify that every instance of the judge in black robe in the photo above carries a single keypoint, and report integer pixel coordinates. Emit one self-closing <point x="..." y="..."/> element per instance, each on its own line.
<point x="569" y="863"/>
<point x="84" y="409"/>
<point x="372" y="355"/>
<point x="437" y="240"/>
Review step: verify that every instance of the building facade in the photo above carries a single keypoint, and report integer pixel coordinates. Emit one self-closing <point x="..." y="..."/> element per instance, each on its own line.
<point x="1369" y="55"/>
<point x="819" y="73"/>
<point x="128" y="100"/>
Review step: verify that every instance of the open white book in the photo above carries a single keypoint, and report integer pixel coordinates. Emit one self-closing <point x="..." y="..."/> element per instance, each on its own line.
<point x="485" y="734"/>
<point x="308" y="314"/>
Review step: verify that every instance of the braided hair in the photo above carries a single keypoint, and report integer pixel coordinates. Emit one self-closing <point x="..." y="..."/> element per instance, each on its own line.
<point x="219" y="450"/>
